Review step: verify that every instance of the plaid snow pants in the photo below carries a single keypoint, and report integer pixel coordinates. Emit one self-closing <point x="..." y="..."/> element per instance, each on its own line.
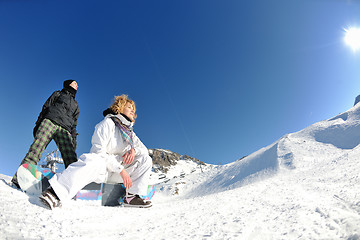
<point x="48" y="131"/>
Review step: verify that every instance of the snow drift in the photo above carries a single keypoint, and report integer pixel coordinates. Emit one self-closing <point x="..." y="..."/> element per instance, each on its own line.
<point x="329" y="139"/>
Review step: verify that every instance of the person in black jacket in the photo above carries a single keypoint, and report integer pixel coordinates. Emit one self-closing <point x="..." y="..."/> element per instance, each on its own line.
<point x="57" y="121"/>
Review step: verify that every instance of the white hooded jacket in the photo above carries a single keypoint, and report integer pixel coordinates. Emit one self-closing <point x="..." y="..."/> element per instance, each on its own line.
<point x="108" y="143"/>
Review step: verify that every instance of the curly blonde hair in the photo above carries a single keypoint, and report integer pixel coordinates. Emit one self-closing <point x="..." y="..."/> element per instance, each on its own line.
<point x="120" y="102"/>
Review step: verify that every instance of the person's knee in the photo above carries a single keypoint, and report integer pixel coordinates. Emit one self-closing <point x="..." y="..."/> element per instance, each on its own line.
<point x="148" y="161"/>
<point x="90" y="161"/>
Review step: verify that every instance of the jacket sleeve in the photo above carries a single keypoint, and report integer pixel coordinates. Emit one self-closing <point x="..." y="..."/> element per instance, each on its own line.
<point x="50" y="101"/>
<point x="140" y="148"/>
<point x="73" y="130"/>
<point x="100" y="140"/>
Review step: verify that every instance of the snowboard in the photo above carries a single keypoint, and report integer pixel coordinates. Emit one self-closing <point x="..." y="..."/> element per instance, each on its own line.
<point x="91" y="192"/>
<point x="33" y="180"/>
<point x="109" y="194"/>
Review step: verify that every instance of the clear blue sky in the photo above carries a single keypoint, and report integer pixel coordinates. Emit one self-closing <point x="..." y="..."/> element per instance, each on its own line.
<point x="216" y="80"/>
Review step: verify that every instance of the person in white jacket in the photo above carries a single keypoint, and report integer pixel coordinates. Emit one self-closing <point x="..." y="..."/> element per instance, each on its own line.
<point x="117" y="156"/>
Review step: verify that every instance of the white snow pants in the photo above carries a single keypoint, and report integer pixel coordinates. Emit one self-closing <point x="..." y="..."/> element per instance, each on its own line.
<point x="91" y="167"/>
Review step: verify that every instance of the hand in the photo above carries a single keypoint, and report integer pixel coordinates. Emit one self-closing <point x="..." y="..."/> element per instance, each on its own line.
<point x="126" y="178"/>
<point x="129" y="156"/>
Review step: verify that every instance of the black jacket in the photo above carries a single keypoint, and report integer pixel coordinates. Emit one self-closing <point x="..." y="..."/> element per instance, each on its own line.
<point x="62" y="109"/>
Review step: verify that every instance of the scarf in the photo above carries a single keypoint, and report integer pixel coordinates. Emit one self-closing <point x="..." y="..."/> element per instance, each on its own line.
<point x="69" y="89"/>
<point x="126" y="131"/>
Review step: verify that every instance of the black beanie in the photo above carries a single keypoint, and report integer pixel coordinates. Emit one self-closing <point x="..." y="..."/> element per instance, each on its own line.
<point x="68" y="88"/>
<point x="67" y="83"/>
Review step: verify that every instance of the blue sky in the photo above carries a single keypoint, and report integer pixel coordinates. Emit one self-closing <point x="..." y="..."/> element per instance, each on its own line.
<point x="216" y="80"/>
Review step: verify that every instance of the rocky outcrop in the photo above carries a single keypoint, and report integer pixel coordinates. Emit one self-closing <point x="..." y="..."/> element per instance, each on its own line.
<point x="193" y="159"/>
<point x="164" y="159"/>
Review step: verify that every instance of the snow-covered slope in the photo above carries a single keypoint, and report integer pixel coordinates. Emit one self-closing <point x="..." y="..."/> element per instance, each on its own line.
<point x="306" y="185"/>
<point x="322" y="143"/>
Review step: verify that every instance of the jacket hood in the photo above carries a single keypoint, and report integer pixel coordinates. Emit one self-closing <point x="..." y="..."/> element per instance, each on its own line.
<point x="110" y="113"/>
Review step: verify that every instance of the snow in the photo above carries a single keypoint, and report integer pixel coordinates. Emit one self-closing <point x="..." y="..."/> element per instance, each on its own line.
<point x="303" y="186"/>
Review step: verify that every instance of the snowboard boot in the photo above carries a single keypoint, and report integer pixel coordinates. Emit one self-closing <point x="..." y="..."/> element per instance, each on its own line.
<point x="132" y="200"/>
<point x="15" y="184"/>
<point x="49" y="199"/>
